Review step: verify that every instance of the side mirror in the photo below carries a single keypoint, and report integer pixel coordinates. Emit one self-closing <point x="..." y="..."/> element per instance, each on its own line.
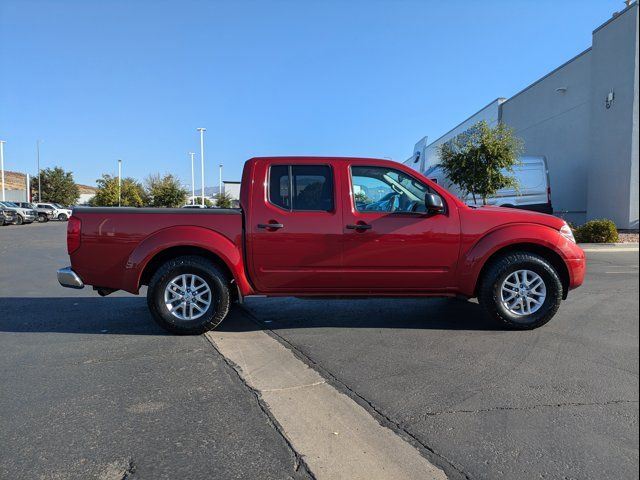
<point x="433" y="203"/>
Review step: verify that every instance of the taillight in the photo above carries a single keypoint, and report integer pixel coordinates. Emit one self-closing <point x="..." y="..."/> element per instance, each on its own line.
<point x="73" y="234"/>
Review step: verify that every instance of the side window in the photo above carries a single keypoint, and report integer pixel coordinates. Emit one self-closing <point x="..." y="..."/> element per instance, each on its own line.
<point x="301" y="187"/>
<point x="380" y="189"/>
<point x="279" y="186"/>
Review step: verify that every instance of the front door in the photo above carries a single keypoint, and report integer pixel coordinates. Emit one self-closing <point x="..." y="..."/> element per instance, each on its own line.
<point x="295" y="229"/>
<point x="390" y="243"/>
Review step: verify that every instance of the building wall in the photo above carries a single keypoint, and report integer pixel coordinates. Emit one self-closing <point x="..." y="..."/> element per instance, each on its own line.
<point x="85" y="198"/>
<point x="15" y="195"/>
<point x="552" y="118"/>
<point x="233" y="190"/>
<point x="613" y="166"/>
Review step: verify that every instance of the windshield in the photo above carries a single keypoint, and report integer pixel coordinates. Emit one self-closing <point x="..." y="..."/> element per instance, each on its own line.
<point x="9" y="204"/>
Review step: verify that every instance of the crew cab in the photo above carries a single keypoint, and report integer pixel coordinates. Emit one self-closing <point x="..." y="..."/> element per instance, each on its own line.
<point x="326" y="227"/>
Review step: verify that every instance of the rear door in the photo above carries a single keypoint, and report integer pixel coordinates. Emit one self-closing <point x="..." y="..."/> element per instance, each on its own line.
<point x="390" y="243"/>
<point x="294" y="226"/>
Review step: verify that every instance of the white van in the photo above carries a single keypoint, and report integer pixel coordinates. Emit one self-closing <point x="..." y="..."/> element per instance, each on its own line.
<point x="534" y="191"/>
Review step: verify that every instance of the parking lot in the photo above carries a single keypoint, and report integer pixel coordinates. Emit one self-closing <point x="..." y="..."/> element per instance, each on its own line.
<point x="92" y="388"/>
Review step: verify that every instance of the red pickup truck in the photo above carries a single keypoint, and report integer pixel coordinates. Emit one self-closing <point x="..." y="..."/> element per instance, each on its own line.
<point x="326" y="227"/>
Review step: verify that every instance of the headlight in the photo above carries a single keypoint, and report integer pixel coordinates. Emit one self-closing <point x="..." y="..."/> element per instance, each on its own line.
<point x="567" y="233"/>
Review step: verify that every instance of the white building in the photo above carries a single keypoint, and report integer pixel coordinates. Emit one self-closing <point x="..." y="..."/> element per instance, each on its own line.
<point x="583" y="117"/>
<point x="233" y="190"/>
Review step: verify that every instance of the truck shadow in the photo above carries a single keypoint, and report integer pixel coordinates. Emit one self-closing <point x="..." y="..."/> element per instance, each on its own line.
<point x="394" y="313"/>
<point x="85" y="315"/>
<point x="129" y="315"/>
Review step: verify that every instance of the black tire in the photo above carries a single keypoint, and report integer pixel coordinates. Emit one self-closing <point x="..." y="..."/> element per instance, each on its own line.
<point x="42" y="219"/>
<point x="19" y="220"/>
<point x="489" y="291"/>
<point x="215" y="279"/>
<point x="63" y="217"/>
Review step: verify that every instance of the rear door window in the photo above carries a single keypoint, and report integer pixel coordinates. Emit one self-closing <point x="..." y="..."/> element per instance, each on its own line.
<point x="302" y="187"/>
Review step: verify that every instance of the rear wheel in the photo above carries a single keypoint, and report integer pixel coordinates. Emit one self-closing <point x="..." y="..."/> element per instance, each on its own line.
<point x="42" y="218"/>
<point x="521" y="289"/>
<point x="63" y="217"/>
<point x="188" y="295"/>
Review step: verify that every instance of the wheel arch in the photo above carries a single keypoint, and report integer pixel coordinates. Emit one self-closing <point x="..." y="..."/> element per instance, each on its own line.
<point x="534" y="238"/>
<point x="171" y="243"/>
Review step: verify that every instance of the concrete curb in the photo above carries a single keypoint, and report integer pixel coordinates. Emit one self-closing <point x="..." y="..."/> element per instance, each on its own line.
<point x="605" y="245"/>
<point x="609" y="247"/>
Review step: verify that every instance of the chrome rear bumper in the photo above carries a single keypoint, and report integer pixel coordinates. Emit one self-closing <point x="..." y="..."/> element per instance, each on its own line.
<point x="68" y="278"/>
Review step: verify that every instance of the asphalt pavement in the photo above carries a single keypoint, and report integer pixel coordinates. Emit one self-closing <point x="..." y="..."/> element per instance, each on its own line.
<point x="557" y="402"/>
<point x="91" y="388"/>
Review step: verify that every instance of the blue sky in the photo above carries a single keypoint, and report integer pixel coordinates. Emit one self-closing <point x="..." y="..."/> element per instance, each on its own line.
<point x="102" y="80"/>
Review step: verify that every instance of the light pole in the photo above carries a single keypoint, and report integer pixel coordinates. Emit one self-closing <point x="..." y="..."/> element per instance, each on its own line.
<point x="202" y="130"/>
<point x="119" y="182"/>
<point x="38" y="162"/>
<point x="220" y="182"/>
<point x="193" y="181"/>
<point x="2" y="142"/>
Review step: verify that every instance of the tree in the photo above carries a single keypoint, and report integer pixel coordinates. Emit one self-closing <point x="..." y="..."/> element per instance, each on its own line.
<point x="481" y="160"/>
<point x="361" y="197"/>
<point x="165" y="191"/>
<point x="132" y="193"/>
<point x="207" y="202"/>
<point x="223" y="200"/>
<point x="57" y="186"/>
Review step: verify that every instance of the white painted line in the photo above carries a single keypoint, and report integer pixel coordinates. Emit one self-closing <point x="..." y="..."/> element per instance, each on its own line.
<point x="336" y="437"/>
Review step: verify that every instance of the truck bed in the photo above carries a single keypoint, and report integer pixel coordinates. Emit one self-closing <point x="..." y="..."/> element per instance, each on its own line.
<point x="116" y="242"/>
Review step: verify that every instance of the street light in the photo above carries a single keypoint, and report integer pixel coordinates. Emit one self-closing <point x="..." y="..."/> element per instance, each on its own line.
<point x="202" y="130"/>
<point x="193" y="182"/>
<point x="2" y="142"/>
<point x="38" y="142"/>
<point x="119" y="182"/>
<point x="220" y="182"/>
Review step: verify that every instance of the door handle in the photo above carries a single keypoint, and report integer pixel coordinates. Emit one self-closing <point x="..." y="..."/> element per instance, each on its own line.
<point x="275" y="226"/>
<point x="359" y="226"/>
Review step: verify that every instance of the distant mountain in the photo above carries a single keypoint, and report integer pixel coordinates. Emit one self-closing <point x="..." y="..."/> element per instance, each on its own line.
<point x="208" y="191"/>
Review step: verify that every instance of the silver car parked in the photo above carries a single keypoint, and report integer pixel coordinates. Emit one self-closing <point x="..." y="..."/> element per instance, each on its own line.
<point x="23" y="215"/>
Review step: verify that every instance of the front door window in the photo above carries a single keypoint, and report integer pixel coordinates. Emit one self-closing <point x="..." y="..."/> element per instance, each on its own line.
<point x="378" y="189"/>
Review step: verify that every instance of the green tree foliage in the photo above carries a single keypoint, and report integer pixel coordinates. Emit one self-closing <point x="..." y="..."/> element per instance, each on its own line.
<point x="132" y="194"/>
<point x="165" y="191"/>
<point x="207" y="202"/>
<point x="223" y="200"/>
<point x="56" y="185"/>
<point x="361" y="197"/>
<point x="481" y="160"/>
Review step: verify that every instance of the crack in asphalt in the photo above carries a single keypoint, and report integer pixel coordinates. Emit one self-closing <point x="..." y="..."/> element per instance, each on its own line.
<point x="533" y="407"/>
<point x="129" y="471"/>
<point x="299" y="462"/>
<point x="438" y="459"/>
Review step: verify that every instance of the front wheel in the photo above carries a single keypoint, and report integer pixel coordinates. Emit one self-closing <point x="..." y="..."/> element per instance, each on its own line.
<point x="188" y="295"/>
<point x="521" y="289"/>
<point x="42" y="219"/>
<point x="19" y="220"/>
<point x="63" y="217"/>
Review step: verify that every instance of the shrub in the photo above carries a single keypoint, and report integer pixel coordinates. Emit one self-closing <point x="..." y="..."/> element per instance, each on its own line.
<point x="597" y="231"/>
